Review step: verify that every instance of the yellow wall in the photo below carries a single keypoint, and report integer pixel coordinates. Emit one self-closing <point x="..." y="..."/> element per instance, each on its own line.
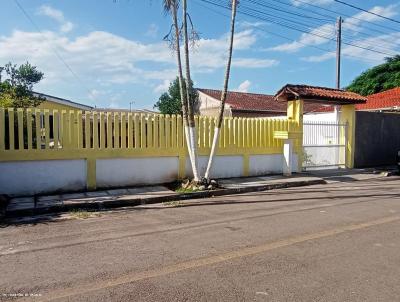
<point x="348" y="116"/>
<point x="295" y="114"/>
<point x="55" y="106"/>
<point x="124" y="135"/>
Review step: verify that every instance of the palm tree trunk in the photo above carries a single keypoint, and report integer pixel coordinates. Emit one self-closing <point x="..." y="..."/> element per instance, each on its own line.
<point x="192" y="127"/>
<point x="181" y="80"/>
<point x="223" y="94"/>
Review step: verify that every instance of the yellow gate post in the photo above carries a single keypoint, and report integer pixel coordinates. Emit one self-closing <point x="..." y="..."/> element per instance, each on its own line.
<point x="348" y="117"/>
<point x="295" y="114"/>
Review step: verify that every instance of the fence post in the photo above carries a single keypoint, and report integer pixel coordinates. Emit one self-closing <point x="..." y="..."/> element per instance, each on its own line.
<point x="2" y="130"/>
<point x="91" y="173"/>
<point x="295" y="114"/>
<point x="246" y="164"/>
<point x="287" y="157"/>
<point x="348" y="116"/>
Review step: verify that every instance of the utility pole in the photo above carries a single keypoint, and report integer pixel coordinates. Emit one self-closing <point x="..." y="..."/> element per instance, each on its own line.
<point x="338" y="50"/>
<point x="338" y="57"/>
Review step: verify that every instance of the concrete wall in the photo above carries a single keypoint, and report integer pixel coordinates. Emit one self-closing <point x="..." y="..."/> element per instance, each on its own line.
<point x="41" y="176"/>
<point x="117" y="172"/>
<point x="377" y="139"/>
<point x="233" y="166"/>
<point x="223" y="166"/>
<point x="49" y="176"/>
<point x="269" y="164"/>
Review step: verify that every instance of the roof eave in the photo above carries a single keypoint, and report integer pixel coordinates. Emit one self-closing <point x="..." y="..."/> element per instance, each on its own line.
<point x="332" y="101"/>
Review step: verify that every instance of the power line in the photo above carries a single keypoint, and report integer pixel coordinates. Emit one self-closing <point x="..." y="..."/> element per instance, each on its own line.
<point x="328" y="33"/>
<point x="356" y="18"/>
<point x="287" y="12"/>
<point x="332" y="18"/>
<point x="359" y="32"/>
<point x="296" y="28"/>
<point x="318" y="34"/>
<point x="289" y="39"/>
<point x="266" y="31"/>
<point x="367" y="11"/>
<point x="280" y="19"/>
<point x="52" y="48"/>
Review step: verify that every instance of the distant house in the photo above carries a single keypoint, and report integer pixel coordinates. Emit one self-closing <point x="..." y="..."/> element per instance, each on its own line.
<point x="53" y="102"/>
<point x="144" y="111"/>
<point x="239" y="104"/>
<point x="386" y="101"/>
<point x="243" y="104"/>
<point x="56" y="103"/>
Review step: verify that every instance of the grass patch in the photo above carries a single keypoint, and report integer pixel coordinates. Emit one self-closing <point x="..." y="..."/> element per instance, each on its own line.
<point x="83" y="214"/>
<point x="185" y="190"/>
<point x="174" y="204"/>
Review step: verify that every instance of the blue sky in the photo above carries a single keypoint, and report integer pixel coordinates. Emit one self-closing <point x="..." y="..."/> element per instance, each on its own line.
<point x="115" y="52"/>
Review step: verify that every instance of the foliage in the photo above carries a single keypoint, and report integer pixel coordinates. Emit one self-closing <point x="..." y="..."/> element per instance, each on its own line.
<point x="379" y="78"/>
<point x="170" y="102"/>
<point x="16" y="88"/>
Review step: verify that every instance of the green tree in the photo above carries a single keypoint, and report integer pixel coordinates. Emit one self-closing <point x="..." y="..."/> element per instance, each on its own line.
<point x="170" y="102"/>
<point x="378" y="78"/>
<point x="16" y="87"/>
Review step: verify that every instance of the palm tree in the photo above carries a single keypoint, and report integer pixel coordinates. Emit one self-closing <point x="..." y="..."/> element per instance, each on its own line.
<point x="223" y="93"/>
<point x="192" y="129"/>
<point x="171" y="6"/>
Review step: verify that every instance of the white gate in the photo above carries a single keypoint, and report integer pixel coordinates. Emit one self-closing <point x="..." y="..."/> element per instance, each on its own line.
<point x="324" y="145"/>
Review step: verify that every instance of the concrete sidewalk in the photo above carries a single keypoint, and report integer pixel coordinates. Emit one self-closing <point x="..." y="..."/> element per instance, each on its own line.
<point x="99" y="200"/>
<point x="113" y="198"/>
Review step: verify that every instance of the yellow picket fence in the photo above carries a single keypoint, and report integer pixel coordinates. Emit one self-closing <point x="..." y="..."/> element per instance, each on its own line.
<point x="29" y="131"/>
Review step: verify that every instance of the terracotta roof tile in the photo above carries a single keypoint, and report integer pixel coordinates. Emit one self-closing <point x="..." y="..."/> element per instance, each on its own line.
<point x="247" y="101"/>
<point x="256" y="102"/>
<point x="386" y="99"/>
<point x="319" y="94"/>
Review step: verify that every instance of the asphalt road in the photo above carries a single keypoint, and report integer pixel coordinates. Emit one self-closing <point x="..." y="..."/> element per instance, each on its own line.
<point x="335" y="242"/>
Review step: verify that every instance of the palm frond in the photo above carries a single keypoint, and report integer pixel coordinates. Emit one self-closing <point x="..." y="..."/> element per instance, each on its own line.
<point x="168" y="5"/>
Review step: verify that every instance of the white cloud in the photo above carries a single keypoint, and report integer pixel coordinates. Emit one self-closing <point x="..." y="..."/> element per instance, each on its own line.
<point x="152" y="31"/>
<point x="67" y="27"/>
<point x="163" y="87"/>
<point x="102" y="59"/>
<point x="114" y="105"/>
<point x="254" y="63"/>
<point x="315" y="2"/>
<point x="320" y="58"/>
<point x="315" y="37"/>
<point x="353" y="23"/>
<point x="356" y="53"/>
<point x="244" y="86"/>
<point x="57" y="15"/>
<point x="319" y="35"/>
<point x="247" y="24"/>
<point x="93" y="93"/>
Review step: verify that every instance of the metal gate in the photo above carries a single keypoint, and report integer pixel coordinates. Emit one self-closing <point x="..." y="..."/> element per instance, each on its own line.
<point x="324" y="145"/>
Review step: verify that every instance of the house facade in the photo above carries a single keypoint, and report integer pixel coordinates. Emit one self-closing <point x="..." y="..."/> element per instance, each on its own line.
<point x="386" y="101"/>
<point x="244" y="104"/>
<point x="56" y="103"/>
<point x="239" y="104"/>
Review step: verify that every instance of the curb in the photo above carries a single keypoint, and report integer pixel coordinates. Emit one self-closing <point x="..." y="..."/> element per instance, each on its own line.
<point x="389" y="173"/>
<point x="110" y="204"/>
